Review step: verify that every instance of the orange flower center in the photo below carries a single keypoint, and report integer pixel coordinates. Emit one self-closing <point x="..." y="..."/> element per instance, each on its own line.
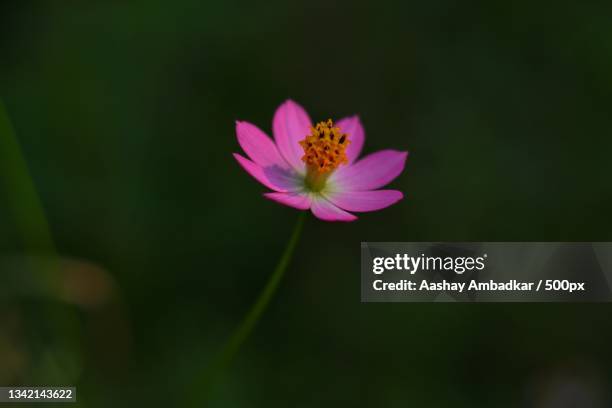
<point x="324" y="148"/>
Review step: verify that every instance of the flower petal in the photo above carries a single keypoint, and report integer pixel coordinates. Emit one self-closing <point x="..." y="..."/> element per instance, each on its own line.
<point x="325" y="210"/>
<point x="356" y="135"/>
<point x="299" y="200"/>
<point x="258" y="146"/>
<point x="369" y="173"/>
<point x="363" y="201"/>
<point x="291" y="124"/>
<point x="274" y="177"/>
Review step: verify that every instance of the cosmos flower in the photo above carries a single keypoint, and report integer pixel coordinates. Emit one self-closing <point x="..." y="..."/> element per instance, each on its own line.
<point x="316" y="167"/>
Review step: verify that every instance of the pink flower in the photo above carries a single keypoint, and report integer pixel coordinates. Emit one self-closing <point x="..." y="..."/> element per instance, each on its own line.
<point x="316" y="168"/>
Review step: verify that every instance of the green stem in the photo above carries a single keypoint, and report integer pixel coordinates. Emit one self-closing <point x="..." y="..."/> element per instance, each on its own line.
<point x="27" y="210"/>
<point x="241" y="333"/>
<point x="39" y="251"/>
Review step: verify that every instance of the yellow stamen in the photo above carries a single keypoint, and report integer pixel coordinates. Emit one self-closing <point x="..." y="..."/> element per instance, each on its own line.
<point x="324" y="148"/>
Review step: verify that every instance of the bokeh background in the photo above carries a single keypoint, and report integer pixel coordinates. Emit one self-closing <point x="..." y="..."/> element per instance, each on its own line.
<point x="131" y="242"/>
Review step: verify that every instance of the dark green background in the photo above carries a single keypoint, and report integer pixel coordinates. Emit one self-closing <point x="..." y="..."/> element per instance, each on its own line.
<point x="125" y="114"/>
